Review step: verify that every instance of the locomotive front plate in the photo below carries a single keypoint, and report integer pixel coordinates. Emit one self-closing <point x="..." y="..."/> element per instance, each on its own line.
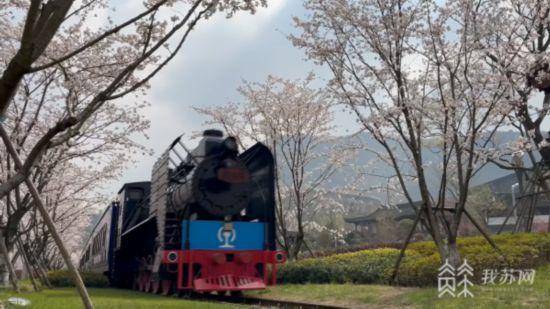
<point x="211" y="235"/>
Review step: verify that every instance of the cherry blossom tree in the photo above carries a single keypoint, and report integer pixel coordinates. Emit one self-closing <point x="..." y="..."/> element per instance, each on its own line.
<point x="416" y="80"/>
<point x="518" y="50"/>
<point x="70" y="198"/>
<point x="62" y="81"/>
<point x="97" y="151"/>
<point x="67" y="176"/>
<point x="102" y="145"/>
<point x="294" y="119"/>
<point x="93" y="67"/>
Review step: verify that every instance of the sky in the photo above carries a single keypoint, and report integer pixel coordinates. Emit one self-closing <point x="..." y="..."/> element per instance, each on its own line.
<point x="219" y="54"/>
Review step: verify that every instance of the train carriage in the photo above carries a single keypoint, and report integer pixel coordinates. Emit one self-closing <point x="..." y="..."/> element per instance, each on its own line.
<point x="97" y="253"/>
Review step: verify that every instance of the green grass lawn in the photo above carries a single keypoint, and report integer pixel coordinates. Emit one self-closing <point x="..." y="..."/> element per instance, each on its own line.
<point x="496" y="296"/>
<point x="353" y="296"/>
<point x="383" y="296"/>
<point x="106" y="298"/>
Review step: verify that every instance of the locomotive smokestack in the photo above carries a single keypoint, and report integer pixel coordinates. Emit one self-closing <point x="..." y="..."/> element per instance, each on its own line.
<point x="230" y="144"/>
<point x="212" y="133"/>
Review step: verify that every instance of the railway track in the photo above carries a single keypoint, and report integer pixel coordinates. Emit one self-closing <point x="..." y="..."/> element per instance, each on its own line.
<point x="261" y="302"/>
<point x="267" y="303"/>
<point x="245" y="300"/>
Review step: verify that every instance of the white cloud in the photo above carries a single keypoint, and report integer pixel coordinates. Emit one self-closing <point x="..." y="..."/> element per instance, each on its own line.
<point x="414" y="64"/>
<point x="218" y="53"/>
<point x="245" y="24"/>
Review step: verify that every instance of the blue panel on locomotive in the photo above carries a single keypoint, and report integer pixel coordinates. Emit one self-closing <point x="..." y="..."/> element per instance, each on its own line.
<point x="215" y="235"/>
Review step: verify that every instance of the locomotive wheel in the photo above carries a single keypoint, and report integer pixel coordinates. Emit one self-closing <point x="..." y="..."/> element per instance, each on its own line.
<point x="135" y="284"/>
<point x="155" y="286"/>
<point x="147" y="282"/>
<point x="184" y="293"/>
<point x="140" y="282"/>
<point x="166" y="287"/>
<point x="236" y="294"/>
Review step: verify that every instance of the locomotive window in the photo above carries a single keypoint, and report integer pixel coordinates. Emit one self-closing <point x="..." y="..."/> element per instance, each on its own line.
<point x="98" y="244"/>
<point x="135" y="194"/>
<point x="103" y="244"/>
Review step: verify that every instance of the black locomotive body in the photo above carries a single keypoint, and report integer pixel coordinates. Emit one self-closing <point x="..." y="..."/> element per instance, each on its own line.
<point x="205" y="222"/>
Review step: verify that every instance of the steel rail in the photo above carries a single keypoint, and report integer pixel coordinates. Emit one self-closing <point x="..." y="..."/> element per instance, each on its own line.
<point x="262" y="302"/>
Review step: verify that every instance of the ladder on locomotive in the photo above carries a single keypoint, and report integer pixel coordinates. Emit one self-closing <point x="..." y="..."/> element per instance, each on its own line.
<point x="172" y="237"/>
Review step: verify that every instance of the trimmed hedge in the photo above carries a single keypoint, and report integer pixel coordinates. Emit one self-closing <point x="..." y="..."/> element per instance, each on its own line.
<point x="63" y="278"/>
<point x="351" y="249"/>
<point x="421" y="262"/>
<point x="367" y="266"/>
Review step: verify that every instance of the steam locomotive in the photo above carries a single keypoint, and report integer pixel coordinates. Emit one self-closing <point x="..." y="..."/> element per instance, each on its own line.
<point x="205" y="222"/>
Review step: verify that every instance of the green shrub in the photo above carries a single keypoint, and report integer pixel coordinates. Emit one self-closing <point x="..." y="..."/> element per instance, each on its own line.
<point x="63" y="278"/>
<point x="366" y="266"/>
<point x="424" y="248"/>
<point x="421" y="262"/>
<point x="418" y="270"/>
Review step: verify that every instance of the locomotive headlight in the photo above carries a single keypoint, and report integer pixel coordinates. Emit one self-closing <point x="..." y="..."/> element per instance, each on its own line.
<point x="279" y="257"/>
<point x="172" y="257"/>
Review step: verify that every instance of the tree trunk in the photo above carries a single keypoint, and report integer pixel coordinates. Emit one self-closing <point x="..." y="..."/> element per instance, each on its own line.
<point x="27" y="264"/>
<point x="297" y="246"/>
<point x="405" y="244"/>
<point x="12" y="76"/>
<point x="453" y="255"/>
<point x="39" y="204"/>
<point x="7" y="263"/>
<point x="4" y="274"/>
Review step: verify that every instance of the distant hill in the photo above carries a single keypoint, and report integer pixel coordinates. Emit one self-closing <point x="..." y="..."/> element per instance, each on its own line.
<point x="368" y="160"/>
